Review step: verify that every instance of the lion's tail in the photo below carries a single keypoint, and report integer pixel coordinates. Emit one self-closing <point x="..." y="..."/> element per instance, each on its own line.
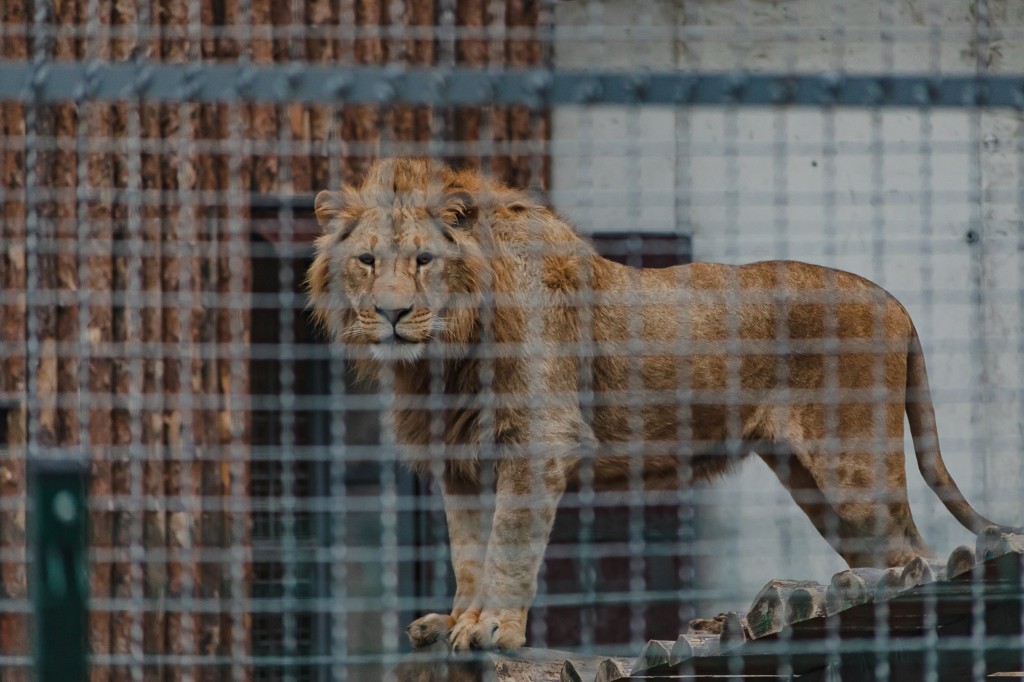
<point x="921" y="416"/>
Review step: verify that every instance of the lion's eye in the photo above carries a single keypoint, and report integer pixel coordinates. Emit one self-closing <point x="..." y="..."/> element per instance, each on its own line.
<point x="424" y="258"/>
<point x="366" y="258"/>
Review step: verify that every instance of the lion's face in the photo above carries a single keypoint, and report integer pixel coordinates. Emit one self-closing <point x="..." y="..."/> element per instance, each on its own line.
<point x="390" y="272"/>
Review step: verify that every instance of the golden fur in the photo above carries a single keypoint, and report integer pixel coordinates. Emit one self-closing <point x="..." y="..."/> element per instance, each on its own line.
<point x="525" y="359"/>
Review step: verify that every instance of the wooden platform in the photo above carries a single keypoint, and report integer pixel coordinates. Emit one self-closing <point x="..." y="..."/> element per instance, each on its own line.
<point x="961" y="620"/>
<point x="929" y="624"/>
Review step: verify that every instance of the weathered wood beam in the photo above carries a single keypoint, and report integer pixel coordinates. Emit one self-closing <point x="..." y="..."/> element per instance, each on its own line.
<point x="772" y="609"/>
<point x="610" y="670"/>
<point x="569" y="673"/>
<point x="905" y="615"/>
<point x="735" y="630"/>
<point x="655" y="652"/>
<point x="995" y="541"/>
<point x="436" y="663"/>
<point x="852" y="587"/>
<point x="889" y="584"/>
<point x="692" y="645"/>
<point x="13" y="364"/>
<point x="918" y="572"/>
<point x="961" y="560"/>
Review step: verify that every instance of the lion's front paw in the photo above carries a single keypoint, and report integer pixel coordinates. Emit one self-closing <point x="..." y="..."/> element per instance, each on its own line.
<point x="429" y="629"/>
<point x="460" y="631"/>
<point x="489" y="630"/>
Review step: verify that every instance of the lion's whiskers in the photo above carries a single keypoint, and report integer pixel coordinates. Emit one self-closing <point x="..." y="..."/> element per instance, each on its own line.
<point x="353" y="331"/>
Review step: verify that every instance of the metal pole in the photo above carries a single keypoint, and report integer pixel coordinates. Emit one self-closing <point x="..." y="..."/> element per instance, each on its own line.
<point x="59" y="578"/>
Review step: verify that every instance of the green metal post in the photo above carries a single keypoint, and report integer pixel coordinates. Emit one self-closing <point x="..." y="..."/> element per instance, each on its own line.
<point x="59" y="578"/>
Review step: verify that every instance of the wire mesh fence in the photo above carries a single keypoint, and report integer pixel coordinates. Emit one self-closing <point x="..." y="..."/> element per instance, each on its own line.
<point x="312" y="419"/>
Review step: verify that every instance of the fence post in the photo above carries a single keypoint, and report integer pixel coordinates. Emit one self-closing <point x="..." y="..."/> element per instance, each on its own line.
<point x="59" y="579"/>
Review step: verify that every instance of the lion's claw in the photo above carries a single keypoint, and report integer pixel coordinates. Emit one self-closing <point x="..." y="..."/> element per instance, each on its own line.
<point x="488" y="632"/>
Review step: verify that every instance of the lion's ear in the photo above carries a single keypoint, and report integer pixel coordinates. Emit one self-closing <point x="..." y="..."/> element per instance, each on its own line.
<point x="458" y="209"/>
<point x="328" y="207"/>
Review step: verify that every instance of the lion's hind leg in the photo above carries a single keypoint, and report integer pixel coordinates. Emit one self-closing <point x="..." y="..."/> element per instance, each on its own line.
<point x="867" y="526"/>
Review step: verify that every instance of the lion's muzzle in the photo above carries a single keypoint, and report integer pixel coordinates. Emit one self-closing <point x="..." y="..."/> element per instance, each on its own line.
<point x="392" y="315"/>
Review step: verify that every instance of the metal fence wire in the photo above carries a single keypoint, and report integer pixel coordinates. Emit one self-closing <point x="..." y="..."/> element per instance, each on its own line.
<point x="310" y="419"/>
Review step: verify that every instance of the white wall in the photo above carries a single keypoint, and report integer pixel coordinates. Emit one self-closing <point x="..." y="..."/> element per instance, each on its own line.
<point x="752" y="184"/>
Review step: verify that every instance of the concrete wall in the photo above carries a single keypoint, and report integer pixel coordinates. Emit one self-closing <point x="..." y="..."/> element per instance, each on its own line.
<point x="926" y="203"/>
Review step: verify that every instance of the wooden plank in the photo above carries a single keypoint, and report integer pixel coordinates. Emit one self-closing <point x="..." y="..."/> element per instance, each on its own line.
<point x="125" y="335"/>
<point x="961" y="560"/>
<point x="770" y="610"/>
<point x="519" y="123"/>
<point x="715" y="625"/>
<point x="99" y="335"/>
<point x="471" y="50"/>
<point x="953" y="660"/>
<point x="951" y="603"/>
<point x="852" y="587"/>
<point x="568" y="673"/>
<point x="98" y="282"/>
<point x="209" y="521"/>
<point x="464" y="123"/>
<point x="654" y="653"/>
<point x="127" y="521"/>
<point x="890" y="584"/>
<point x="64" y="179"/>
<point x="178" y="480"/>
<point x="56" y="323"/>
<point x="226" y="479"/>
<point x="436" y="663"/>
<point x="154" y="521"/>
<point x="917" y="572"/>
<point x="610" y="670"/>
<point x="410" y="123"/>
<point x="42" y="322"/>
<point x="996" y="541"/>
<point x="233" y="281"/>
<point x="362" y="124"/>
<point x="321" y="44"/>
<point x="691" y="645"/>
<point x="806" y="602"/>
<point x="177" y="280"/>
<point x="13" y="366"/>
<point x="312" y="172"/>
<point x="261" y="122"/>
<point x="735" y="629"/>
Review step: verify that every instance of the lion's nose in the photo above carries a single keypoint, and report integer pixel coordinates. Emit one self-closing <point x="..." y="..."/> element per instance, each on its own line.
<point x="392" y="314"/>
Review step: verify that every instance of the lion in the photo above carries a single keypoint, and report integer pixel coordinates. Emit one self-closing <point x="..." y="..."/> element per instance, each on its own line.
<point x="519" y="360"/>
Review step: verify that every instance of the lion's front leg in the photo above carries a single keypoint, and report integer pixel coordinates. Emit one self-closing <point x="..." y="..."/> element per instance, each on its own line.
<point x="526" y="499"/>
<point x="467" y="533"/>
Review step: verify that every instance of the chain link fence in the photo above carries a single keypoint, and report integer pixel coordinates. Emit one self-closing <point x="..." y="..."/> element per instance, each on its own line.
<point x="250" y="515"/>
